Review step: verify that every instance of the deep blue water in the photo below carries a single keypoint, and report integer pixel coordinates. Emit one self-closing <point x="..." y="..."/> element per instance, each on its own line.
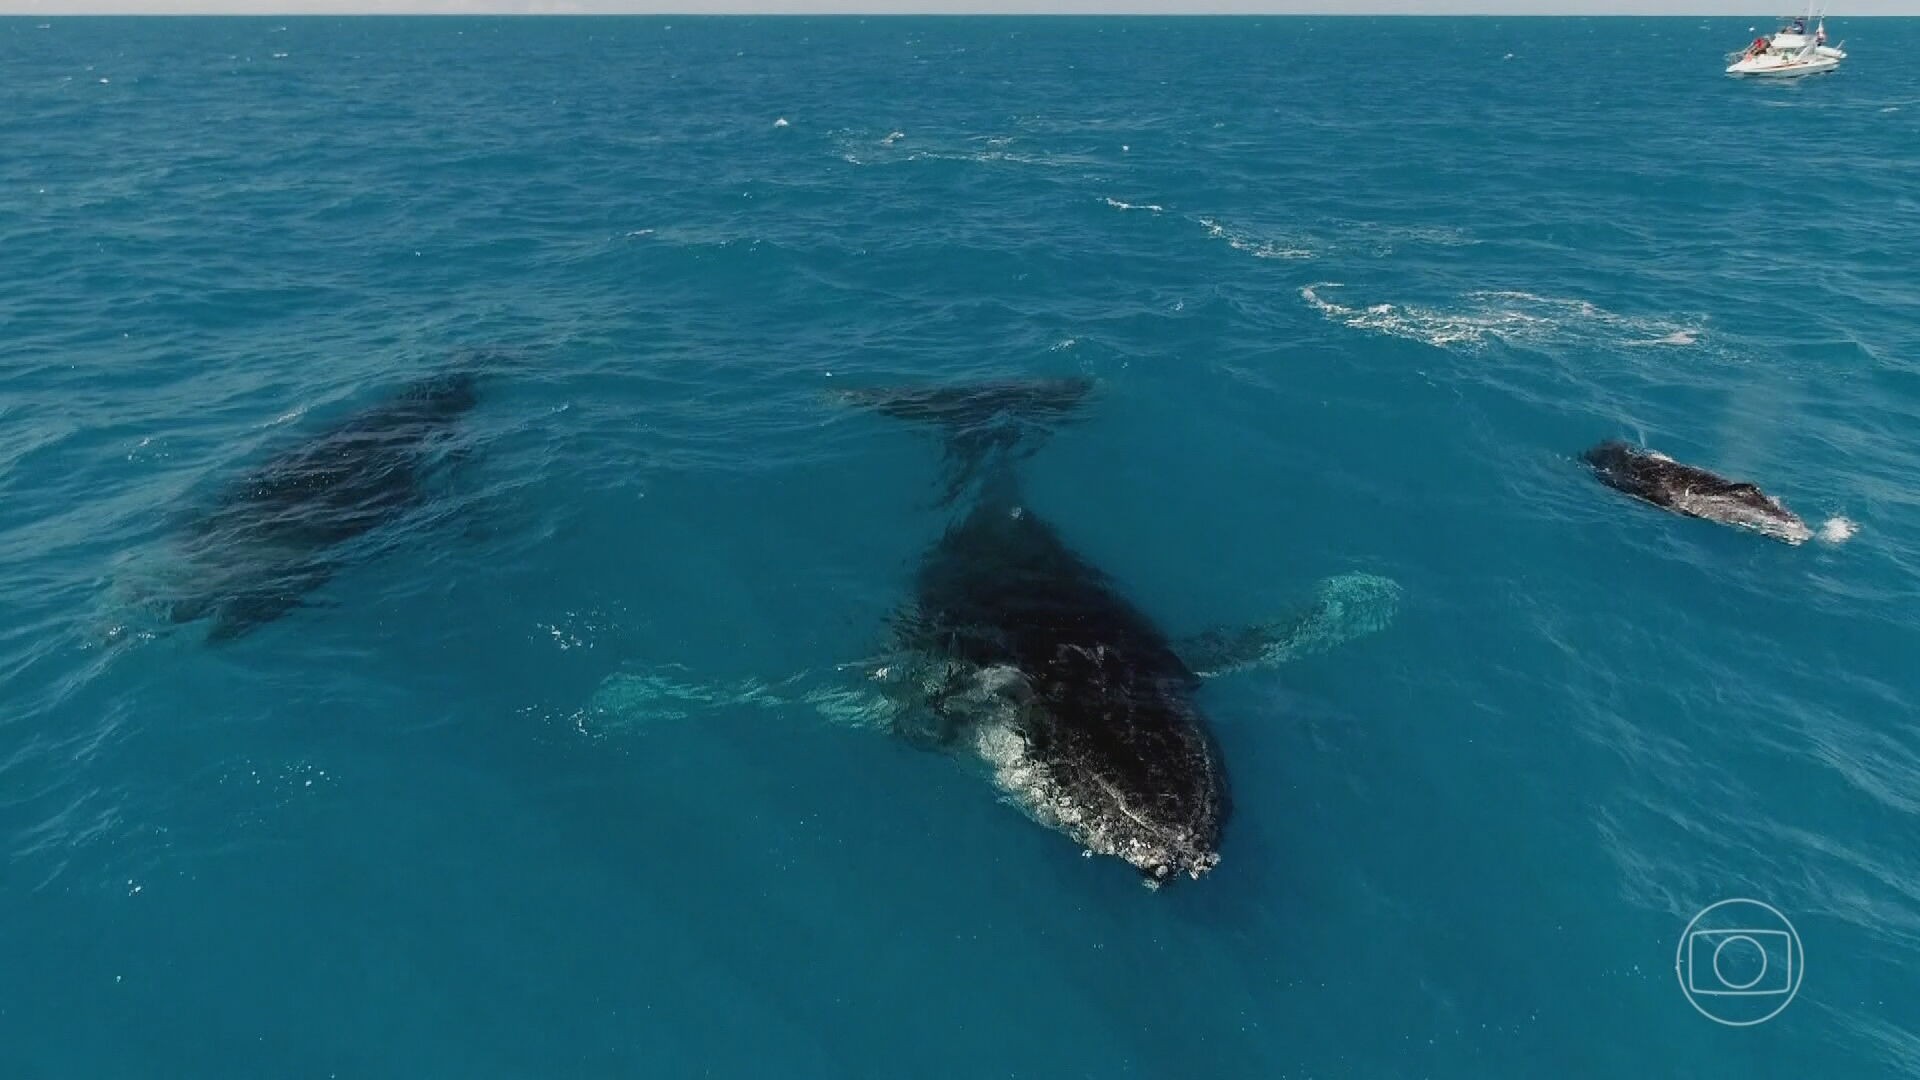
<point x="1356" y="293"/>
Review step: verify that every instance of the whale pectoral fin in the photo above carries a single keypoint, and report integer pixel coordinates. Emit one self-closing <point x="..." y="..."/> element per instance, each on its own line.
<point x="1345" y="607"/>
<point x="1225" y="649"/>
<point x="632" y="701"/>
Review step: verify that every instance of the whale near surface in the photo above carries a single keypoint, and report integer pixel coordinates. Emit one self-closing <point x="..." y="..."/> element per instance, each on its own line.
<point x="275" y="535"/>
<point x="1020" y="658"/>
<point x="1021" y="652"/>
<point x="1655" y="478"/>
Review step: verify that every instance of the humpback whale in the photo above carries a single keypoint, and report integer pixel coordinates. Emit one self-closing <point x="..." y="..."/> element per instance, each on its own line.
<point x="1017" y="653"/>
<point x="1689" y="490"/>
<point x="273" y="536"/>
<point x="1029" y="657"/>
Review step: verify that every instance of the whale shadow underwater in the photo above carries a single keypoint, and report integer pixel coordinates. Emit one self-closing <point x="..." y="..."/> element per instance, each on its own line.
<point x="1017" y="653"/>
<point x="1691" y="491"/>
<point x="269" y="539"/>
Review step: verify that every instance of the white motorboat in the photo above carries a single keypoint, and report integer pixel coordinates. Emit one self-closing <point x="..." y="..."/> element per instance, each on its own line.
<point x="1791" y="52"/>
<point x="1783" y="65"/>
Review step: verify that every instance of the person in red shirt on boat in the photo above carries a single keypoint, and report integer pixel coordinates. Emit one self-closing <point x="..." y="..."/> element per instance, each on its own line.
<point x="1759" y="46"/>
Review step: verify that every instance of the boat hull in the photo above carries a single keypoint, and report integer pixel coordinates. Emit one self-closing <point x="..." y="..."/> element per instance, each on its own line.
<point x="1792" y="69"/>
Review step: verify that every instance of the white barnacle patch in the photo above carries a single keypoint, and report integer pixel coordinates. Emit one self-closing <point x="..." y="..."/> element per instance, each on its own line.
<point x="1017" y="772"/>
<point x="1773" y="520"/>
<point x="994" y="706"/>
<point x="1001" y="746"/>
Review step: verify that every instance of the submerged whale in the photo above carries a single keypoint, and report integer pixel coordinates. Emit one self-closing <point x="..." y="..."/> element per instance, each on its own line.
<point x="1655" y="478"/>
<point x="1017" y="653"/>
<point x="274" y="536"/>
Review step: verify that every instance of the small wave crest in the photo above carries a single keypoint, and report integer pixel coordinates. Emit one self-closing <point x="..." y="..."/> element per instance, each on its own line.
<point x="864" y="147"/>
<point x="1678" y="337"/>
<point x="1371" y="239"/>
<point x="1255" y="246"/>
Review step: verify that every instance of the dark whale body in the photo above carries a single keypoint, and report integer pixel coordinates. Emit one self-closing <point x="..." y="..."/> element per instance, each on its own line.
<point x="1693" y="491"/>
<point x="1029" y="657"/>
<point x="272" y="538"/>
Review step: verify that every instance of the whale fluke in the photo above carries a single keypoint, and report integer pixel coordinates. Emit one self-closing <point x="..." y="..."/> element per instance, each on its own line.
<point x="977" y="404"/>
<point x="982" y="424"/>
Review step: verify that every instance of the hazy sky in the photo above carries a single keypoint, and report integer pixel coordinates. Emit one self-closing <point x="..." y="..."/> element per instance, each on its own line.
<point x="1761" y="10"/>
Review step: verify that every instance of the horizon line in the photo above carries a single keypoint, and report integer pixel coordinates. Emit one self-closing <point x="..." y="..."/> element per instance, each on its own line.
<point x="9" y="12"/>
<point x="1127" y="9"/>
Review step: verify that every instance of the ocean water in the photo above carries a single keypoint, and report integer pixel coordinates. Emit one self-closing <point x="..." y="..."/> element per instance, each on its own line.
<point x="1355" y="293"/>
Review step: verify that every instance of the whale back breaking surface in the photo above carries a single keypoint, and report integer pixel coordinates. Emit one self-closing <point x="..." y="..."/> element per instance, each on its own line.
<point x="1073" y="696"/>
<point x="1693" y="491"/>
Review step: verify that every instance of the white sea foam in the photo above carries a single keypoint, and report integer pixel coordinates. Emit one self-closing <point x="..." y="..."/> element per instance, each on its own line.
<point x="1838" y="530"/>
<point x="1438" y="328"/>
<point x="1513" y="317"/>
<point x="1118" y="205"/>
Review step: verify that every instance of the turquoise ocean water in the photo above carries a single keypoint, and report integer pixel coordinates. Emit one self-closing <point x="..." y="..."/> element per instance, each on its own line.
<point x="1356" y="293"/>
